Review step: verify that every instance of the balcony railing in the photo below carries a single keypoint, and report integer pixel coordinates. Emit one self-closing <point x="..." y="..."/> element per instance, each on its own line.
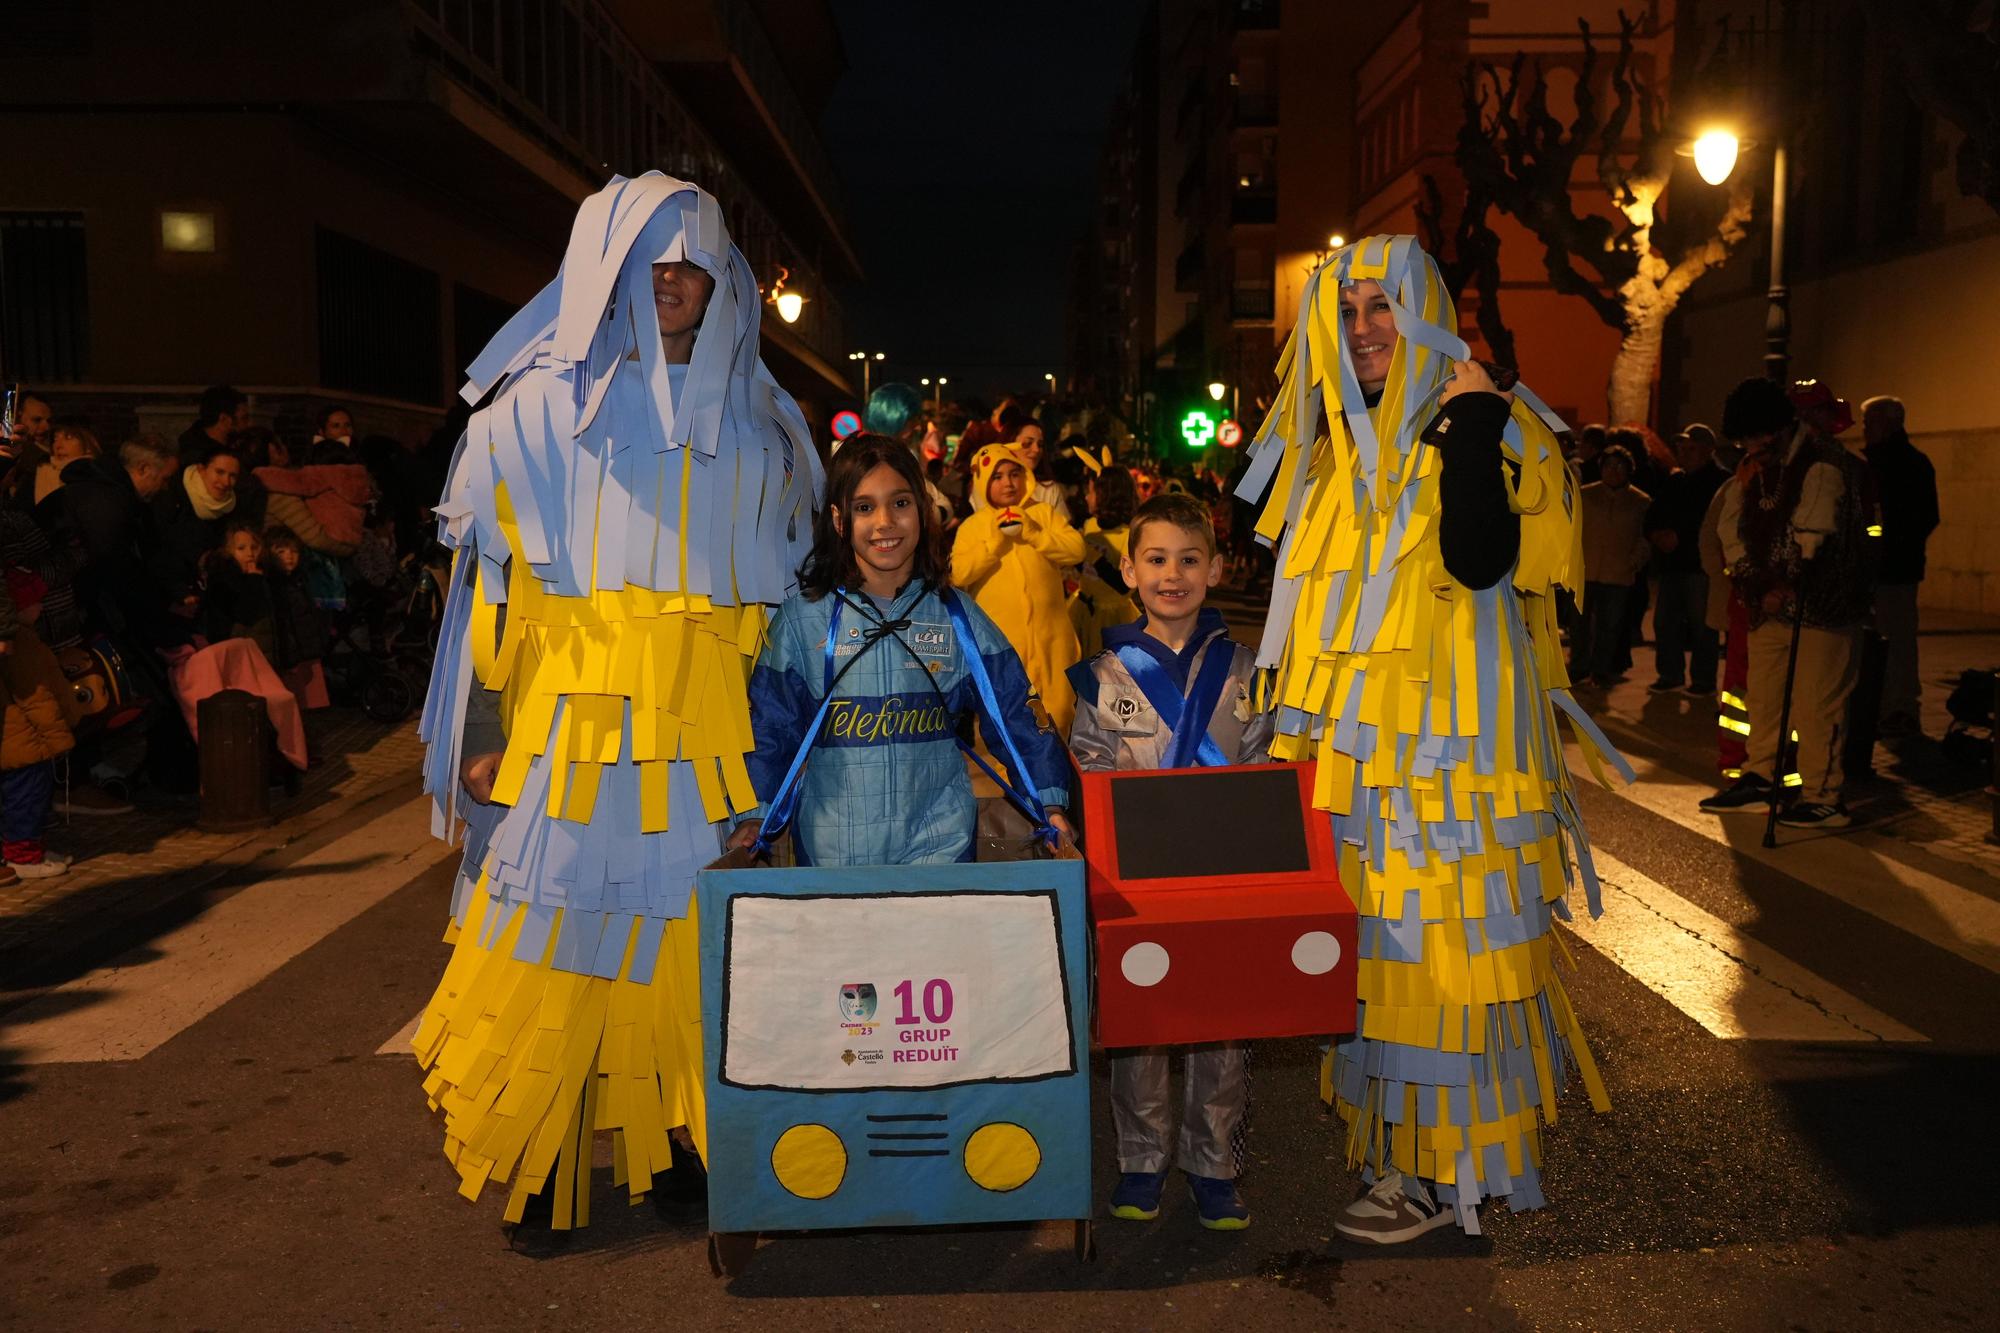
<point x="1189" y="189"/>
<point x="1188" y="268"/>
<point x="751" y="44"/>
<point x="1189" y="113"/>
<point x="1256" y="109"/>
<point x="1254" y="15"/>
<point x="564" y="74"/>
<point x="1254" y="206"/>
<point x="1251" y="301"/>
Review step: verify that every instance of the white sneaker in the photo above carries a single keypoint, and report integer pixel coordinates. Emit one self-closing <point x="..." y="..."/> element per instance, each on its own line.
<point x="51" y="865"/>
<point x="1397" y="1209"/>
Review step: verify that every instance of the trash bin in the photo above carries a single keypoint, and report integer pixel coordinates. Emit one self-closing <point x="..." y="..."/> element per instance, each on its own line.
<point x="235" y="762"/>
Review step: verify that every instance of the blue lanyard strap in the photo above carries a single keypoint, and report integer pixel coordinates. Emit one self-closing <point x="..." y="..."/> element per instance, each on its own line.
<point x="785" y="801"/>
<point x="1023" y="796"/>
<point x="1186" y="718"/>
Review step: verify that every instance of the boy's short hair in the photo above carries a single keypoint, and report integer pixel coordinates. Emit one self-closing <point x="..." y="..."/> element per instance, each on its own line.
<point x="1178" y="508"/>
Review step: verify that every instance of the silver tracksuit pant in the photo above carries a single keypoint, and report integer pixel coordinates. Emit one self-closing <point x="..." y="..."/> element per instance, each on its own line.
<point x="1214" y="1102"/>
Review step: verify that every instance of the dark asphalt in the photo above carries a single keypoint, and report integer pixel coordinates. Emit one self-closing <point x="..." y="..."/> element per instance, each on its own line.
<point x="265" y="1169"/>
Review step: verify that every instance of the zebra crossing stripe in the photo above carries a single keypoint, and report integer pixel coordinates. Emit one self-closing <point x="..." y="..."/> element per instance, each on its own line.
<point x="1731" y="984"/>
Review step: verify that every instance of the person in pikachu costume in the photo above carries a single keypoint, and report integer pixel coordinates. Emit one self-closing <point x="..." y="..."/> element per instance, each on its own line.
<point x="1423" y="520"/>
<point x="624" y="513"/>
<point x="1010" y="554"/>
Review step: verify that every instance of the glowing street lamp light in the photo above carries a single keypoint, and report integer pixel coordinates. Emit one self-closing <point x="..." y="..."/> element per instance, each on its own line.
<point x="1217" y="389"/>
<point x="789" y="302"/>
<point x="1715" y="155"/>
<point x="1335" y="241"/>
<point x="867" y="360"/>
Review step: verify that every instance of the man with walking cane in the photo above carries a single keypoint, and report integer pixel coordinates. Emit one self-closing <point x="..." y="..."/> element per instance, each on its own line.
<point x="1795" y="539"/>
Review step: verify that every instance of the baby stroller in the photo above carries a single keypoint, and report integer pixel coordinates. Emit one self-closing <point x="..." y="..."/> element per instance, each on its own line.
<point x="383" y="640"/>
<point x="1970" y="741"/>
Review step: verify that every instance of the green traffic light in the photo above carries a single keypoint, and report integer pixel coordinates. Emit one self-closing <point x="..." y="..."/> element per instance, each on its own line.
<point x="1197" y="428"/>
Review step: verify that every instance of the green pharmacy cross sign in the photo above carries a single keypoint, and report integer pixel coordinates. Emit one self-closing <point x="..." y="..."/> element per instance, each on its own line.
<point x="1197" y="428"/>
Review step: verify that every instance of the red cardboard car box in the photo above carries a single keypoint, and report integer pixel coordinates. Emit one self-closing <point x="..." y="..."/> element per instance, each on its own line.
<point x="1217" y="907"/>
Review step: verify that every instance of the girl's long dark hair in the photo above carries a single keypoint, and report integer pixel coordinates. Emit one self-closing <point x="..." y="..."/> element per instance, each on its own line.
<point x="832" y="564"/>
<point x="1117" y="498"/>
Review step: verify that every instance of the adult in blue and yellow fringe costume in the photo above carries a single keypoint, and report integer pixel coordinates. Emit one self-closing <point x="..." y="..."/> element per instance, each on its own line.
<point x="1423" y="522"/>
<point x="625" y="512"/>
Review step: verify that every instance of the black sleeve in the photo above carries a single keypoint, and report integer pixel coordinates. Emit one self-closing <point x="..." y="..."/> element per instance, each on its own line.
<point x="1479" y="533"/>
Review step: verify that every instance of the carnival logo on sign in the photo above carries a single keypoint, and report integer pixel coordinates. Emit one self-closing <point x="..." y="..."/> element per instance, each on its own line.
<point x="857" y="1002"/>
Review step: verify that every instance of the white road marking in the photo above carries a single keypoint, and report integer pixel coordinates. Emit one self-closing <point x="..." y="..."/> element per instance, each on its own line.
<point x="1850" y="867"/>
<point x="125" y="1009"/>
<point x="1729" y="983"/>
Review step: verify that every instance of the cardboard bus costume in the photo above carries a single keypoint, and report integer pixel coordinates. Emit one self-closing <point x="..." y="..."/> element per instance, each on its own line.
<point x="896" y="1045"/>
<point x="621" y="527"/>
<point x="1430" y="708"/>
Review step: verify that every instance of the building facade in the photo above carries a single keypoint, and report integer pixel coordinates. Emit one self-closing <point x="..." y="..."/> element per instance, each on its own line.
<point x="340" y="202"/>
<point x="1277" y="127"/>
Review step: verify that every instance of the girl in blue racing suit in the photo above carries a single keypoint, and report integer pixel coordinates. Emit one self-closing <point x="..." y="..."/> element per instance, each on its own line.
<point x="885" y="783"/>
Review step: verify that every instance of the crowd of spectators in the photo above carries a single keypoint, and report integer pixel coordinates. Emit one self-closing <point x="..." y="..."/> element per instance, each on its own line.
<point x="144" y="575"/>
<point x="1735" y="538"/>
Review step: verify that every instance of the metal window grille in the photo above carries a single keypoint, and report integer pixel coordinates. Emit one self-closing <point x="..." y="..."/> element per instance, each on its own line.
<point x="380" y="321"/>
<point x="475" y="318"/>
<point x="44" y="298"/>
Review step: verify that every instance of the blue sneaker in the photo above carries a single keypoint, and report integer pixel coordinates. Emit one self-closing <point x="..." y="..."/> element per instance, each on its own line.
<point x="1217" y="1201"/>
<point x="1137" y="1198"/>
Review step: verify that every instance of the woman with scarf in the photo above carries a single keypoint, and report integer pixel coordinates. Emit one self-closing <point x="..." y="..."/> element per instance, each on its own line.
<point x="190" y="514"/>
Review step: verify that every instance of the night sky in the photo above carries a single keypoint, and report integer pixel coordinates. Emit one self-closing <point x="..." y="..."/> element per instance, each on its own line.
<point x="967" y="138"/>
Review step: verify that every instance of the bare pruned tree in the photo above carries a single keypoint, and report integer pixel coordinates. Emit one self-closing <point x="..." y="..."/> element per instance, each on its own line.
<point x="1517" y="153"/>
<point x="1468" y="255"/>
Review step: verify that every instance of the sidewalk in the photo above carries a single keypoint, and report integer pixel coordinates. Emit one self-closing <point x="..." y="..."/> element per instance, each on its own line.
<point x="154" y="862"/>
<point x="1917" y="796"/>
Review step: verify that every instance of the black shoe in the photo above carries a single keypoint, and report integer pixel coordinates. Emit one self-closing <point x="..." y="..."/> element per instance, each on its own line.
<point x="1664" y="686"/>
<point x="1893" y="726"/>
<point x="1816" y="814"/>
<point x="1749" y="794"/>
<point x="1699" y="691"/>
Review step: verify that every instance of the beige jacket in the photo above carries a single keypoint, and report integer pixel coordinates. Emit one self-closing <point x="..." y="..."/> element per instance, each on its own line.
<point x="1615" y="548"/>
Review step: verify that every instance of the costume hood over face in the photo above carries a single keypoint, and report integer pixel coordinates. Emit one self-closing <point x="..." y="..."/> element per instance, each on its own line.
<point x="990" y="457"/>
<point x="618" y="467"/>
<point x="1378" y="459"/>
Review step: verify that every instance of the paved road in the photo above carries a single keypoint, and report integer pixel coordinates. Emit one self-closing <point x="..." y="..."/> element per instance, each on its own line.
<point x="202" y="1131"/>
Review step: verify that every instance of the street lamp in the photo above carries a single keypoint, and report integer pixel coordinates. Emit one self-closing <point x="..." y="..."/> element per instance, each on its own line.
<point x="867" y="360"/>
<point x="1715" y="155"/>
<point x="789" y="303"/>
<point x="1049" y="378"/>
<point x="1335" y="241"/>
